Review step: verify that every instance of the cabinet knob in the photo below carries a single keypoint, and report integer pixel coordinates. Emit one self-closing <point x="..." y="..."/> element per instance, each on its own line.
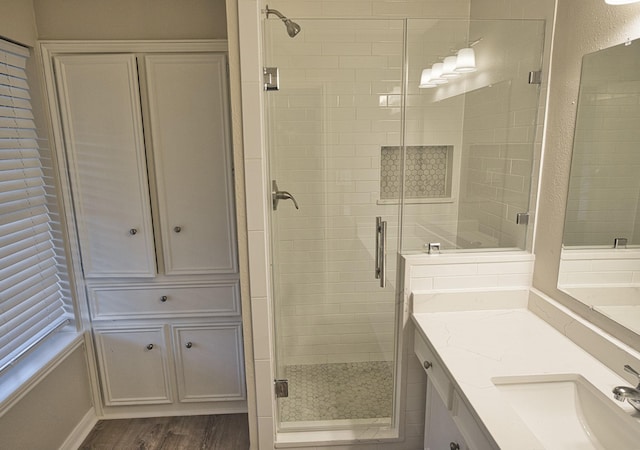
<point x="189" y="344"/>
<point x="164" y="298"/>
<point x="177" y="229"/>
<point x="454" y="446"/>
<point x="133" y="231"/>
<point x="150" y="346"/>
<point x="427" y="365"/>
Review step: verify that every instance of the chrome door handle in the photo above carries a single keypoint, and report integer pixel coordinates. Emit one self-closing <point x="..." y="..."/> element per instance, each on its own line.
<point x="381" y="251"/>
<point x="277" y="195"/>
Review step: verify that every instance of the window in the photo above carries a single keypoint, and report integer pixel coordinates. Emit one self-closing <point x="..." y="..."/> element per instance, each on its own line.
<point x="32" y="273"/>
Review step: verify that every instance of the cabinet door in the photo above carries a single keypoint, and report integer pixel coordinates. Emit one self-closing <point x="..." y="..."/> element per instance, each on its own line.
<point x="101" y="117"/>
<point x="188" y="112"/>
<point x="440" y="431"/>
<point x="209" y="362"/>
<point x="133" y="365"/>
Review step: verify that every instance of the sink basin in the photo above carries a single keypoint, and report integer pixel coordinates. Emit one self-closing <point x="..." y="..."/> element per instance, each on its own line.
<point x="568" y="412"/>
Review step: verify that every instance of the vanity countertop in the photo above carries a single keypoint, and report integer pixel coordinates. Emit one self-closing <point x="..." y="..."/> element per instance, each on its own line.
<point x="479" y="345"/>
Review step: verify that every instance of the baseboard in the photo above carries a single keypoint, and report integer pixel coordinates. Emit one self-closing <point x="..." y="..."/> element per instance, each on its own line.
<point x="81" y="431"/>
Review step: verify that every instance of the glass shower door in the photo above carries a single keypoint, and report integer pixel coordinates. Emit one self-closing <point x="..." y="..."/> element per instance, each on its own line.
<point x="334" y="142"/>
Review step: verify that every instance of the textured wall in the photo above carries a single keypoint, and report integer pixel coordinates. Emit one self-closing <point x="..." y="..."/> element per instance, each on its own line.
<point x="17" y="21"/>
<point x="126" y="19"/>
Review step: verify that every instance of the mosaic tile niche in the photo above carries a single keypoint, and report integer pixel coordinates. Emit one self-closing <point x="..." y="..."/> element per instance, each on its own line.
<point x="427" y="172"/>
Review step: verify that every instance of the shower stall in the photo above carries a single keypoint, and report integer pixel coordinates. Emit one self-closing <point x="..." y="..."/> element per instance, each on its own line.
<point x="365" y="165"/>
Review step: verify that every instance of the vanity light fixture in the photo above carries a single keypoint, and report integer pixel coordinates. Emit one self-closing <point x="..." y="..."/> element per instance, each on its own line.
<point x="436" y="74"/>
<point x="425" y="79"/>
<point x="620" y="2"/>
<point x="466" y="60"/>
<point x="449" y="67"/>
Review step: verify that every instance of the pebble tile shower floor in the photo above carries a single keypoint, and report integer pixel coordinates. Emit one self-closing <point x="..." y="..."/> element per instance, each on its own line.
<point x="361" y="390"/>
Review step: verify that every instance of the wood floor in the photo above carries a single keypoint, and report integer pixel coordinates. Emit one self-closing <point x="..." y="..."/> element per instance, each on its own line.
<point x="219" y="432"/>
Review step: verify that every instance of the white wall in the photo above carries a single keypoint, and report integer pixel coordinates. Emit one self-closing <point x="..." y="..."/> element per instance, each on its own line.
<point x="48" y="414"/>
<point x="337" y="105"/>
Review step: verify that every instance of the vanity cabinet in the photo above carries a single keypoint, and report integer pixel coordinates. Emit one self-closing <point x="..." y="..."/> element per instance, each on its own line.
<point x="146" y="139"/>
<point x="449" y="422"/>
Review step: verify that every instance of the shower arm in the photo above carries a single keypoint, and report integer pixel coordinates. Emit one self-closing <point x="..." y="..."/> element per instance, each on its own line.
<point x="268" y="11"/>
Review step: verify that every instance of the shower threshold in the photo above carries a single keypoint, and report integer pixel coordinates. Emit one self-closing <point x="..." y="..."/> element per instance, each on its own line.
<point x="338" y="424"/>
<point x="361" y="435"/>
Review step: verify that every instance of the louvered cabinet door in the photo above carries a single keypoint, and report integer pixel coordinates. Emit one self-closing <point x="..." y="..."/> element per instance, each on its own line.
<point x="188" y="116"/>
<point x="102" y="123"/>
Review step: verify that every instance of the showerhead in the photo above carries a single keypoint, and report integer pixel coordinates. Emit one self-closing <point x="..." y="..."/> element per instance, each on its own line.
<point x="292" y="28"/>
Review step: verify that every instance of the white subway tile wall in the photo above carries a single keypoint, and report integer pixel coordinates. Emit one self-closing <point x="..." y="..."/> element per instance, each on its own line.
<point x="327" y="125"/>
<point x="433" y="123"/>
<point x="460" y="272"/>
<point x="499" y="132"/>
<point x="596" y="268"/>
<point x="604" y="192"/>
<point x="352" y="89"/>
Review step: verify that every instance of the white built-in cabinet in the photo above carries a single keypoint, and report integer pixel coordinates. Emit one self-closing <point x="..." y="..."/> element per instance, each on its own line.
<point x="184" y="152"/>
<point x="146" y="141"/>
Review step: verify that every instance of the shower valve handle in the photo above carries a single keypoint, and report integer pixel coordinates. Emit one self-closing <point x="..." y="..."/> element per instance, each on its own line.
<point x="277" y="195"/>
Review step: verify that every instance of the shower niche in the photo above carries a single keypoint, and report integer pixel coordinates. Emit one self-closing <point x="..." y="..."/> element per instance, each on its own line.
<point x="352" y="135"/>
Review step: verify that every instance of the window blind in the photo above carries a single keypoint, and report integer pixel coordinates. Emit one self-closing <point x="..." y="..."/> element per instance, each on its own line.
<point x="31" y="299"/>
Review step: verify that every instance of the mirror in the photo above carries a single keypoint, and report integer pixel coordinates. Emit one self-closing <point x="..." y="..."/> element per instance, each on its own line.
<point x="600" y="262"/>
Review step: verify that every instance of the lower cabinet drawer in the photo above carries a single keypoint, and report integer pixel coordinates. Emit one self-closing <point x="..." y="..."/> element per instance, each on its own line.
<point x="127" y="302"/>
<point x="434" y="368"/>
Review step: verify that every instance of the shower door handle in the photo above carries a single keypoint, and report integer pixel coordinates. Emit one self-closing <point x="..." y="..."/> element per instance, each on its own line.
<point x="381" y="251"/>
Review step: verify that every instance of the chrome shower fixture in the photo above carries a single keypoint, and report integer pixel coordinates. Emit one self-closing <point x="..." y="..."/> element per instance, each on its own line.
<point x="292" y="28"/>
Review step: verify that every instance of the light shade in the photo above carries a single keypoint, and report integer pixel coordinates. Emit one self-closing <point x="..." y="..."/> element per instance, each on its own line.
<point x="436" y="74"/>
<point x="449" y="67"/>
<point x="620" y="2"/>
<point x="466" y="60"/>
<point x="425" y="79"/>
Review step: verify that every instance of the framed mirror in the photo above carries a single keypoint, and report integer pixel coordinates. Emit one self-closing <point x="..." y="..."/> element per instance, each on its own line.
<point x="600" y="261"/>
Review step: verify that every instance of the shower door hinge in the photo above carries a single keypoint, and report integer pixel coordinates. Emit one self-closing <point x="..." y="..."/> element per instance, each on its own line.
<point x="522" y="218"/>
<point x="282" y="388"/>
<point x="535" y="77"/>
<point x="271" y="78"/>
